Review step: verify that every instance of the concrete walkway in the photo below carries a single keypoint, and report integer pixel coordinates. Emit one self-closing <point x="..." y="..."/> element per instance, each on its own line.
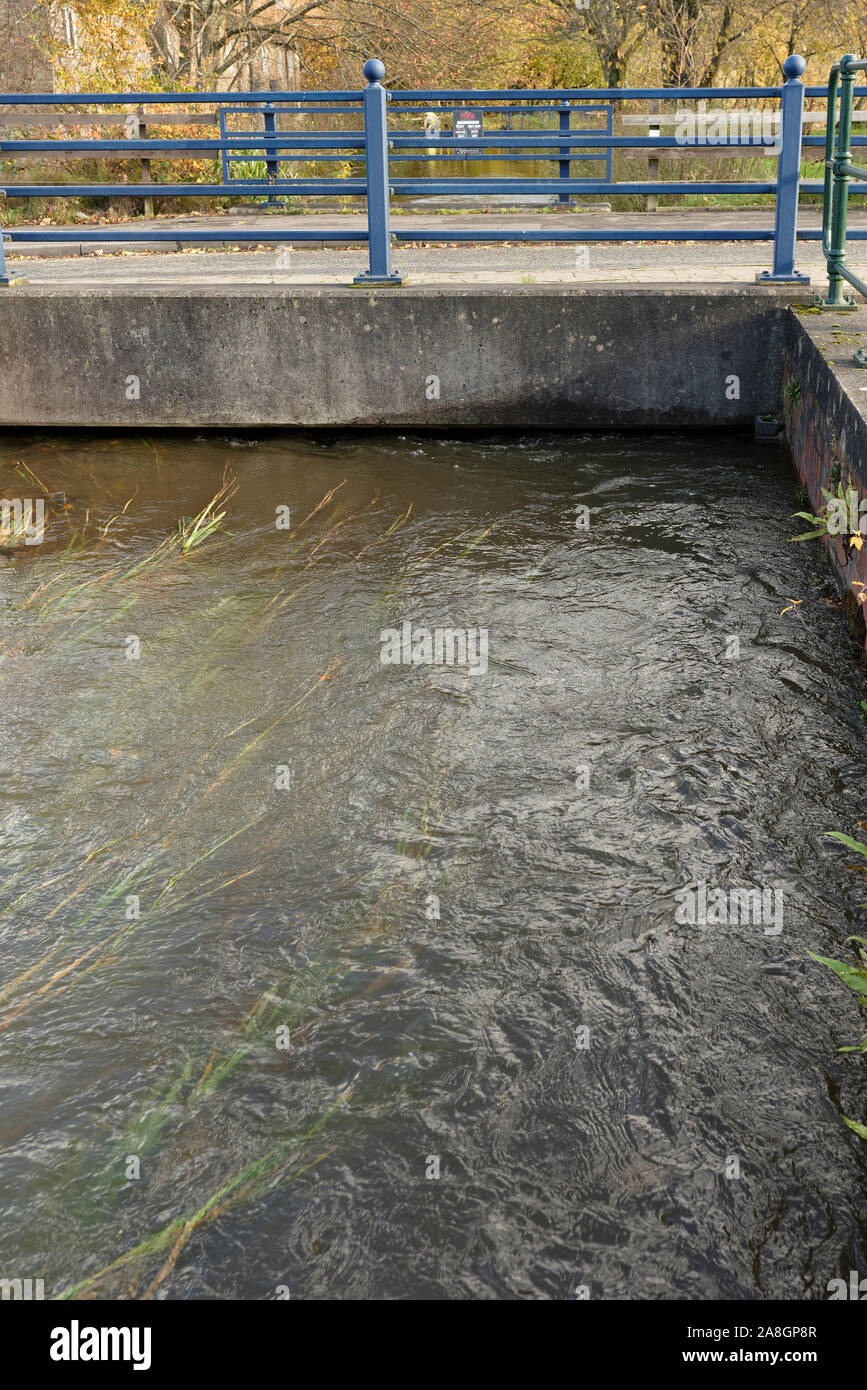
<point x="422" y="263"/>
<point x="225" y="270"/>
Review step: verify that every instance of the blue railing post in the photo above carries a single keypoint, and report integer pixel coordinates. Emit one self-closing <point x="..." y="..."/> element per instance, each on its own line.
<point x="378" y="191"/>
<point x="609" y="131"/>
<point x="271" y="164"/>
<point x="788" y="177"/>
<point x="565" y="126"/>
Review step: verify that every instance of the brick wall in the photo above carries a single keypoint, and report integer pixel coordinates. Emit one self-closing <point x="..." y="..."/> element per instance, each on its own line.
<point x="827" y="437"/>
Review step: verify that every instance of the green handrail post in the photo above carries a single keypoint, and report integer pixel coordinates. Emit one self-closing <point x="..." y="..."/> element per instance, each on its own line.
<point x="840" y="206"/>
<point x="840" y="195"/>
<point x="830" y="132"/>
<point x="839" y="171"/>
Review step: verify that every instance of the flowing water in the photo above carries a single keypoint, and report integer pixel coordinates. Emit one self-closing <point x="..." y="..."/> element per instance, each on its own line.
<point x="344" y="979"/>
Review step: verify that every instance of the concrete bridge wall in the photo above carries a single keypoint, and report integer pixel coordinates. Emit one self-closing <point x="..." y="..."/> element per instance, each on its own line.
<point x="628" y="356"/>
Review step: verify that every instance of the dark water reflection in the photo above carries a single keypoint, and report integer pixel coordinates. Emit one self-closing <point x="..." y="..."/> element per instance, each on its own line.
<point x="416" y="791"/>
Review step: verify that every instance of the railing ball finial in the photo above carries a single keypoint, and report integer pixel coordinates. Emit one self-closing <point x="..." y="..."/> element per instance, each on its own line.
<point x="374" y="70"/>
<point x="794" y="65"/>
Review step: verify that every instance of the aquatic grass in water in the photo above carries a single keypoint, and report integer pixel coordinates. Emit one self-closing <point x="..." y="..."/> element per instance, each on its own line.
<point x="315" y="992"/>
<point x="194" y="531"/>
<point x="45" y="978"/>
<point x="250" y="1181"/>
<point x="48" y="608"/>
<point x="190" y="534"/>
<point x="292" y="1007"/>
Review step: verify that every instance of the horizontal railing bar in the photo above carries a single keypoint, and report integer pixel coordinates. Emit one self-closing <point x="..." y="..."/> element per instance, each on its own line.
<point x="541" y="185"/>
<point x="300" y="158"/>
<point x="8" y="122"/>
<point x="818" y="186"/>
<point x="602" y="93"/>
<point x="206" y="237"/>
<point x="314" y="157"/>
<point x="326" y="187"/>
<point x="289" y="110"/>
<point x="528" y="108"/>
<point x="472" y="157"/>
<point x="246" y="141"/>
<point x="820" y="139"/>
<point x="471" y="95"/>
<point x="545" y="140"/>
<point x="823" y="92"/>
<point x="171" y="98"/>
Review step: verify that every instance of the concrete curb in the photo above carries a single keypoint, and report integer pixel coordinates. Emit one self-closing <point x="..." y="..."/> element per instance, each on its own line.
<point x="84" y="248"/>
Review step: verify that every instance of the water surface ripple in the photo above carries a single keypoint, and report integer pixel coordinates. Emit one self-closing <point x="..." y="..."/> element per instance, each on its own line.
<point x="436" y="903"/>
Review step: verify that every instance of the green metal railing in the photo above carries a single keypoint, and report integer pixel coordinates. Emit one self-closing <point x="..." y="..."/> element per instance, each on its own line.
<point x="839" y="172"/>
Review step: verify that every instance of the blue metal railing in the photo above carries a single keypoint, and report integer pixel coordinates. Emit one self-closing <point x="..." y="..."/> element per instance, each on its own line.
<point x="381" y="147"/>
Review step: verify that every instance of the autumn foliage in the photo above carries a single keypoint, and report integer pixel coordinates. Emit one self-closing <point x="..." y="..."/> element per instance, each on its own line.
<point x="243" y="44"/>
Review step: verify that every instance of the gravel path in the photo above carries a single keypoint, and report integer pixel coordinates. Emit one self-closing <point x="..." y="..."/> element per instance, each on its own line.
<point x="588" y="261"/>
<point x="512" y="262"/>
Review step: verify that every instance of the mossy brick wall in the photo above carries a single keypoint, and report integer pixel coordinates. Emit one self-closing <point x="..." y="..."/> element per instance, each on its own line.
<point x="827" y="437"/>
